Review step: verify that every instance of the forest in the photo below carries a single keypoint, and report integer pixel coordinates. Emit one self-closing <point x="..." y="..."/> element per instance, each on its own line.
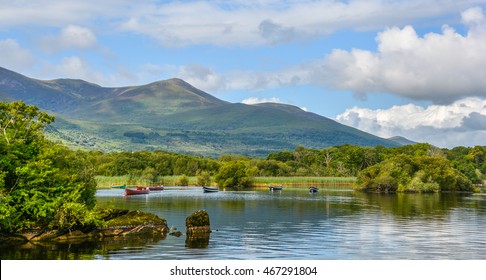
<point x="47" y="185"/>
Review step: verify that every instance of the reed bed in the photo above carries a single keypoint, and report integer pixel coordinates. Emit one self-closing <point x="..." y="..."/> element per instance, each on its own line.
<point x="104" y="182"/>
<point x="305" y="181"/>
<point x="108" y="181"/>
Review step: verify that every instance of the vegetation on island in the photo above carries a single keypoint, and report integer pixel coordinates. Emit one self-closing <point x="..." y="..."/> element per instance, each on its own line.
<point x="45" y="185"/>
<point x="404" y="173"/>
<point x="42" y="184"/>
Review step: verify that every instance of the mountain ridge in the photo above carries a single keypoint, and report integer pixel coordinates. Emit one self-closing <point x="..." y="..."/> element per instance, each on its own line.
<point x="174" y="115"/>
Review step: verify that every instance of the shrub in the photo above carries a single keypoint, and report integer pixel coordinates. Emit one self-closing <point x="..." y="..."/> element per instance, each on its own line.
<point x="234" y="174"/>
<point x="182" y="180"/>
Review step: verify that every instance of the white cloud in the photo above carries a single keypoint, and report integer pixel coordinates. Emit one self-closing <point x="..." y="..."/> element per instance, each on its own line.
<point x="462" y="123"/>
<point x="473" y="16"/>
<point x="70" y="37"/>
<point x="250" y="23"/>
<point x="228" y="23"/>
<point x="77" y="36"/>
<point x="14" y="57"/>
<point x="257" y="100"/>
<point x="53" y="13"/>
<point x="201" y="77"/>
<point x="73" y="67"/>
<point x="438" y="67"/>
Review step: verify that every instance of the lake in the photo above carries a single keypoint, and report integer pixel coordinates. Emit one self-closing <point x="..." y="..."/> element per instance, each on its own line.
<point x="334" y="224"/>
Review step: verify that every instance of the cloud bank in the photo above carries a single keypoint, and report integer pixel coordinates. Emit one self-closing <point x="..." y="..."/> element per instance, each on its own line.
<point x="438" y="67"/>
<point x="441" y="67"/>
<point x="269" y="22"/>
<point x="462" y="123"/>
<point x="227" y="23"/>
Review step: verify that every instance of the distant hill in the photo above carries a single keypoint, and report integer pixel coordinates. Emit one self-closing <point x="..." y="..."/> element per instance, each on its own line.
<point x="402" y="141"/>
<point x="175" y="116"/>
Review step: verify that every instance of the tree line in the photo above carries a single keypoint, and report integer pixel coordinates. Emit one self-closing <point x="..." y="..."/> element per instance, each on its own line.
<point x="339" y="161"/>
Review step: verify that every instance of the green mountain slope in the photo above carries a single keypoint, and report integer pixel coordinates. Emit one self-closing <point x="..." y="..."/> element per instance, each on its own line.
<point x="173" y="115"/>
<point x="402" y="141"/>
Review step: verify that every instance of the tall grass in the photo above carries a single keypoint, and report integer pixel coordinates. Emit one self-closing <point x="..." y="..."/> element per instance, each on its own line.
<point x="107" y="182"/>
<point x="304" y="181"/>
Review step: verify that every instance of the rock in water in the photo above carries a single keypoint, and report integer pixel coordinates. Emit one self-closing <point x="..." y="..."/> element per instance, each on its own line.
<point x="198" y="223"/>
<point x="198" y="230"/>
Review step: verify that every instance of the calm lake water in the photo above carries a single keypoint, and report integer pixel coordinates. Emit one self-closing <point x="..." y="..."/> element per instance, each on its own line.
<point x="293" y="224"/>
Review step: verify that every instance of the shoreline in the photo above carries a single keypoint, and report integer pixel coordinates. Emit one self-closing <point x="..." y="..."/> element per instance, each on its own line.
<point x="105" y="182"/>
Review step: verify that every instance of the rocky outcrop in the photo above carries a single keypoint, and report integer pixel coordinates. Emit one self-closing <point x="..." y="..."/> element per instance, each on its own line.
<point x="198" y="223"/>
<point x="198" y="230"/>
<point x="119" y="224"/>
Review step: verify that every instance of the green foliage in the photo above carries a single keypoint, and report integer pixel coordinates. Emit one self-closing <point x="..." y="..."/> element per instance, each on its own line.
<point x="73" y="216"/>
<point x="153" y="164"/>
<point x="234" y="174"/>
<point x="420" y="183"/>
<point x="37" y="178"/>
<point x="134" y="218"/>
<point x="150" y="175"/>
<point x="203" y="178"/>
<point x="404" y="173"/>
<point x="339" y="161"/>
<point x="182" y="181"/>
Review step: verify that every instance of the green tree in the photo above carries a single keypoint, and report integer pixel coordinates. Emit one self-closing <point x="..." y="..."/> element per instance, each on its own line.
<point x="234" y="174"/>
<point x="182" y="180"/>
<point x="37" y="177"/>
<point x="150" y="175"/>
<point x="405" y="173"/>
<point x="203" y="178"/>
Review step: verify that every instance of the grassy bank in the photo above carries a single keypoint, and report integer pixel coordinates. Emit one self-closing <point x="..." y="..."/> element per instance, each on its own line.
<point x="108" y="181"/>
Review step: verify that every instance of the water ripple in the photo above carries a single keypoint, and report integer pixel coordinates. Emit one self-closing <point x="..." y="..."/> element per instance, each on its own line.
<point x="329" y="225"/>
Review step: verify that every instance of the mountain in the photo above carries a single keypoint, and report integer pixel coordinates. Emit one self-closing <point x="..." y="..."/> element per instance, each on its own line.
<point x="173" y="115"/>
<point x="402" y="141"/>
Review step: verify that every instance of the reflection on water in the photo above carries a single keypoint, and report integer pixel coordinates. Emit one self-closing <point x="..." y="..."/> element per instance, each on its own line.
<point x="293" y="224"/>
<point x="198" y="240"/>
<point x="81" y="250"/>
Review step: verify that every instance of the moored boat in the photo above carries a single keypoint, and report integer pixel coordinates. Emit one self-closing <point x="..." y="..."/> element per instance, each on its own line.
<point x="119" y="187"/>
<point x="156" y="188"/>
<point x="138" y="190"/>
<point x="313" y="189"/>
<point x="210" y="189"/>
<point x="275" y="188"/>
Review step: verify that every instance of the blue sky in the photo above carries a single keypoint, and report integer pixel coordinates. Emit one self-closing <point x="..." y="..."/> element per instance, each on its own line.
<point x="389" y="67"/>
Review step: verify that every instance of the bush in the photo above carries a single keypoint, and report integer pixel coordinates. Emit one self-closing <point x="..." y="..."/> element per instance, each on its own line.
<point x="182" y="180"/>
<point x="203" y="179"/>
<point x="234" y="174"/>
<point x="74" y="216"/>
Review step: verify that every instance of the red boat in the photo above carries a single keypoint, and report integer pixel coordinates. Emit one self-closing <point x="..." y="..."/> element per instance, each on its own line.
<point x="156" y="188"/>
<point x="139" y="190"/>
